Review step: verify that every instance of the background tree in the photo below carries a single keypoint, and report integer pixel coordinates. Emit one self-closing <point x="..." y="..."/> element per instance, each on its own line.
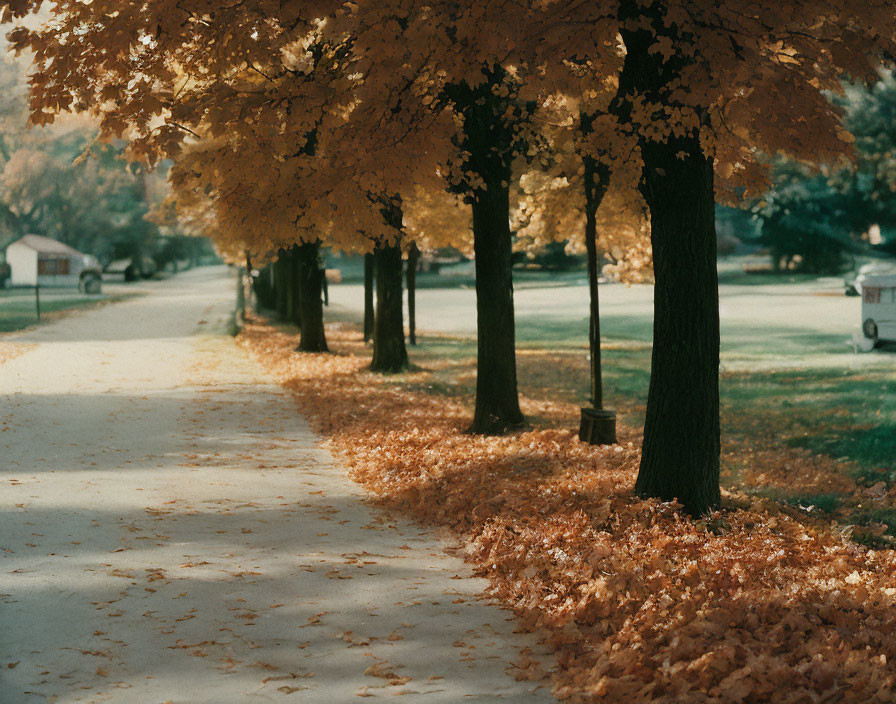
<point x="813" y="219"/>
<point x="60" y="183"/>
<point x="810" y="221"/>
<point x="871" y="118"/>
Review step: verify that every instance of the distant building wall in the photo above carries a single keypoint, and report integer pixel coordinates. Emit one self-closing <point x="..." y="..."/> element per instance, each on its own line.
<point x="22" y="261"/>
<point x="58" y="270"/>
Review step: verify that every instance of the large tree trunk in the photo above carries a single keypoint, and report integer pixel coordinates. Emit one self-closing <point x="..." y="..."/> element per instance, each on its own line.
<point x="681" y="450"/>
<point x="369" y="267"/>
<point x="310" y="285"/>
<point x="492" y="116"/>
<point x="413" y="261"/>
<point x="497" y="402"/>
<point x="389" y="352"/>
<point x="680" y="458"/>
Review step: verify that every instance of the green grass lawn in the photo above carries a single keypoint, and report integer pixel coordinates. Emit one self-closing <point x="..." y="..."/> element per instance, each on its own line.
<point x="843" y="412"/>
<point x="790" y="398"/>
<point x="17" y="309"/>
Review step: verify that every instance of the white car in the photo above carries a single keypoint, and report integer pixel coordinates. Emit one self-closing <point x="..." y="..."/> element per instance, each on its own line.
<point x="854" y="286"/>
<point x="879" y="307"/>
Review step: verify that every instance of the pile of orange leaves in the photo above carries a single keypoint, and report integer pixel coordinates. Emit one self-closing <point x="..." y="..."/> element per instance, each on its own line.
<point x="640" y="602"/>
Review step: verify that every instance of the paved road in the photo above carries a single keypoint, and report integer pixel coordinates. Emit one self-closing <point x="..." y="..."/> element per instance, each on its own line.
<point x="804" y="324"/>
<point x="170" y="531"/>
<point x="819" y="306"/>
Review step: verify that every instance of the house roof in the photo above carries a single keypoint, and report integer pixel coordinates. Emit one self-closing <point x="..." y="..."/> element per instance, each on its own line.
<point x="45" y="245"/>
<point x="879" y="281"/>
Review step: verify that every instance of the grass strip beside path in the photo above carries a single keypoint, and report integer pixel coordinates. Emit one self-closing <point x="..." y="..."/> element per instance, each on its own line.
<point x="18" y="313"/>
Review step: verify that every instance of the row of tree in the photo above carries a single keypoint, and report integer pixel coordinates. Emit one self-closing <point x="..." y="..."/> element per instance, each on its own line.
<point x="367" y="125"/>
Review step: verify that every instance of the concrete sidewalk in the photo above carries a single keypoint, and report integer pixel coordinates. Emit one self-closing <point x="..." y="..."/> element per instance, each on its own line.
<point x="170" y="531"/>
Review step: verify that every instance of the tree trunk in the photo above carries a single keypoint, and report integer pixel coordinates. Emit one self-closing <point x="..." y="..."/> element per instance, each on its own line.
<point x="597" y="425"/>
<point x="248" y="282"/>
<point x="389" y="352"/>
<point x="291" y="267"/>
<point x="240" y="294"/>
<point x="497" y="402"/>
<point x="297" y="289"/>
<point x="264" y="287"/>
<point x="680" y="458"/>
<point x="310" y="285"/>
<point x="281" y="283"/>
<point x="368" y="296"/>
<point x="413" y="261"/>
<point x="239" y="311"/>
<point x="596" y="178"/>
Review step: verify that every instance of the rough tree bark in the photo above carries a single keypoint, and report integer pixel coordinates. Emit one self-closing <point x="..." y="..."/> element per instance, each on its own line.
<point x="681" y="449"/>
<point x="368" y="296"/>
<point x="310" y="285"/>
<point x="497" y="401"/>
<point x="389" y="352"/>
<point x="413" y="261"/>
<point x="491" y="141"/>
<point x="680" y="457"/>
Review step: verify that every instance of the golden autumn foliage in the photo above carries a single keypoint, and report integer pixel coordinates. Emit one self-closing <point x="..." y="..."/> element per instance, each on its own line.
<point x="236" y="89"/>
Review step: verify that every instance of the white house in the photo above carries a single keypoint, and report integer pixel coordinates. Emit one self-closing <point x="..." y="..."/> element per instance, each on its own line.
<point x="36" y="260"/>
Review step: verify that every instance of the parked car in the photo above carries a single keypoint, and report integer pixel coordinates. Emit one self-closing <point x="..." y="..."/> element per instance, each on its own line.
<point x="132" y="269"/>
<point x="90" y="279"/>
<point x="879" y="308"/>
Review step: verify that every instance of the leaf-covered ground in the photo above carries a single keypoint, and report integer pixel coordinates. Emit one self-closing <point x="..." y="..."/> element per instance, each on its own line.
<point x="756" y="603"/>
